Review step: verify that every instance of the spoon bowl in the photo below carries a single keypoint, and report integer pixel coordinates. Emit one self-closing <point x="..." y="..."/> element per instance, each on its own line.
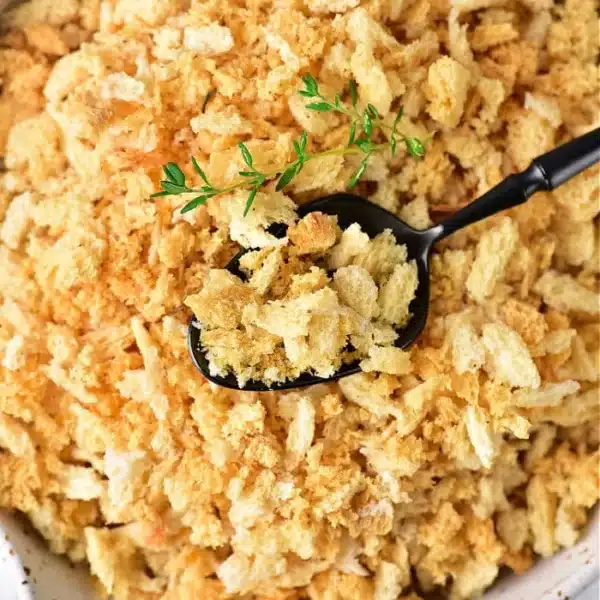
<point x="373" y="219"/>
<point x="545" y="173"/>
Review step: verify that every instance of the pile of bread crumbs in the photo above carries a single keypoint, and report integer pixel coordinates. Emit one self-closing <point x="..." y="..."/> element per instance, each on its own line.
<point x="315" y="300"/>
<point x="483" y="455"/>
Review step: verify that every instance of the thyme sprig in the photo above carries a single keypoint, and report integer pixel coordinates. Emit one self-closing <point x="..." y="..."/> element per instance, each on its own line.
<point x="364" y="123"/>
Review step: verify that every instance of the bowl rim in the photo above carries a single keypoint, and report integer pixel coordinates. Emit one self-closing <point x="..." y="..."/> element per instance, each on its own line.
<point x="12" y="562"/>
<point x="566" y="574"/>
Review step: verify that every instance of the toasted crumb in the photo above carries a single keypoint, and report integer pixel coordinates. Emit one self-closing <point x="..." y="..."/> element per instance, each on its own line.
<point x="509" y="357"/>
<point x="493" y="253"/>
<point x="387" y="360"/>
<point x="562" y="292"/>
<point x="316" y="279"/>
<point x="397" y="293"/>
<point x="549" y="395"/>
<point x="525" y="320"/>
<point x="447" y="85"/>
<point x="356" y="288"/>
<point x="353" y="242"/>
<point x="468" y="353"/>
<point x="264" y="267"/>
<point x="314" y="233"/>
<point x="480" y="436"/>
<point x="46" y="39"/>
<point x="487" y="35"/>
<point x="222" y="300"/>
<point x="381" y="256"/>
<point x="212" y="39"/>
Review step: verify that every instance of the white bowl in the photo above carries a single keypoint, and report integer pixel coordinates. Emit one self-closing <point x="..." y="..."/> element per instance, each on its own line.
<point x="14" y="581"/>
<point x="565" y="575"/>
<point x="29" y="571"/>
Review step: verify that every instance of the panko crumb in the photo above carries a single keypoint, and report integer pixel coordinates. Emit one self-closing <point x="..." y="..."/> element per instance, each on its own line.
<point x="436" y="468"/>
<point x="447" y="86"/>
<point x="494" y="250"/>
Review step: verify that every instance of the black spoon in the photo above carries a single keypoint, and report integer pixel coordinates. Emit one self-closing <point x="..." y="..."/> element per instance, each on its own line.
<point x="545" y="173"/>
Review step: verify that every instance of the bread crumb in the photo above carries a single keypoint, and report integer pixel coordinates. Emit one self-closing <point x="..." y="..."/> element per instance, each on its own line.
<point x="356" y="288"/>
<point x="17" y="220"/>
<point x="492" y="34"/>
<point x="468" y="354"/>
<point x="209" y="40"/>
<point x="353" y="242"/>
<point x="46" y="39"/>
<point x="480" y="436"/>
<point x="397" y="293"/>
<point x="494" y="250"/>
<point x="509" y="358"/>
<point x="548" y="395"/>
<point x="314" y="233"/>
<point x="393" y="361"/>
<point x="447" y="86"/>
<point x="562" y="292"/>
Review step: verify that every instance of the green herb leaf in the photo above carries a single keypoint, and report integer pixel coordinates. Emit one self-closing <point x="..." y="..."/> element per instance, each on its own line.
<point x="192" y="204"/>
<point x="246" y="154"/>
<point x="337" y="102"/>
<point x="303" y="141"/>
<point x="357" y="174"/>
<point x="367" y="124"/>
<point x="320" y="106"/>
<point x="310" y="84"/>
<point x="372" y="111"/>
<point x="398" y="116"/>
<point x="393" y="141"/>
<point x="199" y="170"/>
<point x="365" y="145"/>
<point x="300" y="146"/>
<point x="353" y="93"/>
<point x="288" y="175"/>
<point x="174" y="173"/>
<point x="414" y="147"/>
<point x="306" y="93"/>
<point x="352" y="133"/>
<point x="159" y="194"/>
<point x="173" y="188"/>
<point x="208" y="188"/>
<point x="247" y="173"/>
<point x="250" y="200"/>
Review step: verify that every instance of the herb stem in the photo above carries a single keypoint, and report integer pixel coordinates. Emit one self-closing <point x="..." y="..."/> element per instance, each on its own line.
<point x="363" y="125"/>
<point x="273" y="173"/>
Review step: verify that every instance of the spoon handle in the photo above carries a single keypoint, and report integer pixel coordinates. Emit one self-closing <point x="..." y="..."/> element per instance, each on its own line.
<point x="545" y="173"/>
